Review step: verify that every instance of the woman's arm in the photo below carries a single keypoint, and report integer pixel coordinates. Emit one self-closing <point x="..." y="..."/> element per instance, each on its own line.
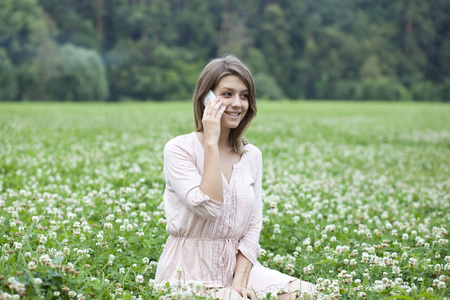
<point x="249" y="243"/>
<point x="240" y="280"/>
<point x="212" y="184"/>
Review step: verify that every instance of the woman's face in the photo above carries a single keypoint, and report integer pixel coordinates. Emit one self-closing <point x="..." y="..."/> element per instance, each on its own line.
<point x="234" y="95"/>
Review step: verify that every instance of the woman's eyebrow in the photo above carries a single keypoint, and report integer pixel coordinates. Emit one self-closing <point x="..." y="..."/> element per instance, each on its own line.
<point x="227" y="88"/>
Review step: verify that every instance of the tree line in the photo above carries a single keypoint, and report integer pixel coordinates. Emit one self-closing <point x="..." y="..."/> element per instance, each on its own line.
<point x="76" y="50"/>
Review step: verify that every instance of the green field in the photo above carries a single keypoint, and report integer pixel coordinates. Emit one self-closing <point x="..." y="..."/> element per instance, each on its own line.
<point x="356" y="197"/>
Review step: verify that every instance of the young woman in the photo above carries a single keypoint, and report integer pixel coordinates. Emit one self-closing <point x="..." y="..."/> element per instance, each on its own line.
<point x="213" y="194"/>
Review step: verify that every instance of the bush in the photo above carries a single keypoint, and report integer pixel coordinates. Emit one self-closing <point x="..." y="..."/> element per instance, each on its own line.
<point x="138" y="71"/>
<point x="267" y="87"/>
<point x="346" y="89"/>
<point x="383" y="88"/>
<point x="81" y="75"/>
<point x="425" y="91"/>
<point x="445" y="90"/>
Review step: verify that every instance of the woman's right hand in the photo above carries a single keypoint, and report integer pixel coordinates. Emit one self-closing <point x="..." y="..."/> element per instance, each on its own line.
<point x="211" y="121"/>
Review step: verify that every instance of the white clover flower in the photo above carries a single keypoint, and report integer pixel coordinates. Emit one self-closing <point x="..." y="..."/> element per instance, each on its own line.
<point x="56" y="293"/>
<point x="151" y="282"/>
<point x="72" y="293"/>
<point x="139" y="279"/>
<point x="44" y="259"/>
<point x="35" y="219"/>
<point x="405" y="236"/>
<point x="38" y="281"/>
<point x="278" y="259"/>
<point x="32" y="265"/>
<point x="145" y="260"/>
<point x="412" y="262"/>
<point x="159" y="287"/>
<point x="307" y="270"/>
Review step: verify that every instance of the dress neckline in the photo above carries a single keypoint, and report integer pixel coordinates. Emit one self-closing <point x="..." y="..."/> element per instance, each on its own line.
<point x="235" y="166"/>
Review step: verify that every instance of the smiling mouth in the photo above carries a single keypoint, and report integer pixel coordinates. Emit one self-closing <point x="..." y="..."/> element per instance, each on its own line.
<point x="232" y="114"/>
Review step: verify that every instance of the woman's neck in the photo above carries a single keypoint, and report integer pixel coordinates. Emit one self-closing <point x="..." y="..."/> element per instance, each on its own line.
<point x="224" y="139"/>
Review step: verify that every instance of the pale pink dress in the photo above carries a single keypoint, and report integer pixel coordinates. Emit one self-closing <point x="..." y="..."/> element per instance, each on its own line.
<point x="205" y="235"/>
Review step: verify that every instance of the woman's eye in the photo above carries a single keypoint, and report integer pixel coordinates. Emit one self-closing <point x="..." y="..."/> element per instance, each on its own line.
<point x="226" y="94"/>
<point x="245" y="96"/>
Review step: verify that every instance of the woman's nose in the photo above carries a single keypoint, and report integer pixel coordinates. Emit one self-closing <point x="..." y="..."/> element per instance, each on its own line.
<point x="236" y="101"/>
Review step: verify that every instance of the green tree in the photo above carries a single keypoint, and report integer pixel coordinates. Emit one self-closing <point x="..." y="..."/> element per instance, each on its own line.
<point x="8" y="81"/>
<point x="24" y="32"/>
<point x="275" y="44"/>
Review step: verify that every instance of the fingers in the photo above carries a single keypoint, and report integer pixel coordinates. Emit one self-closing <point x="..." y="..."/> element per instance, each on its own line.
<point x="248" y="294"/>
<point x="214" y="108"/>
<point x="251" y="295"/>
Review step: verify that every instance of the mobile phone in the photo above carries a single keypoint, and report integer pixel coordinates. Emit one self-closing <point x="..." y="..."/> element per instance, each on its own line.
<point x="211" y="97"/>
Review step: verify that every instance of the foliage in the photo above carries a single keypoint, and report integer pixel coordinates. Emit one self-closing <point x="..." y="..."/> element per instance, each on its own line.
<point x="355" y="197"/>
<point x="8" y="82"/>
<point x="312" y="49"/>
<point x="27" y="35"/>
<point x="267" y="87"/>
<point x="80" y="75"/>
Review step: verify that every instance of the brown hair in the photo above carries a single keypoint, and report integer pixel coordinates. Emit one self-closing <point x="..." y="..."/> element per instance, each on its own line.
<point x="213" y="72"/>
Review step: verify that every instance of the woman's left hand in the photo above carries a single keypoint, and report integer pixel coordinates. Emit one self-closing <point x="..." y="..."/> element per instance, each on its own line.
<point x="245" y="292"/>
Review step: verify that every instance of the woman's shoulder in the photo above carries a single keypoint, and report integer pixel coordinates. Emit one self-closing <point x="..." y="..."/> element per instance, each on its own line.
<point x="253" y="151"/>
<point x="183" y="142"/>
<point x="252" y="148"/>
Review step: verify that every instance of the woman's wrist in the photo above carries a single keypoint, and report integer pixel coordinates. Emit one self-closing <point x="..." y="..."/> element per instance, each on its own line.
<point x="211" y="145"/>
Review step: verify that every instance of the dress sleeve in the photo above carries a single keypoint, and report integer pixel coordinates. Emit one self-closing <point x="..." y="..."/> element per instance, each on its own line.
<point x="249" y="243"/>
<point x="183" y="178"/>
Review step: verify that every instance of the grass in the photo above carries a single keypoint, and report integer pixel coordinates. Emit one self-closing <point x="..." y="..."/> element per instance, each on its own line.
<point x="356" y="197"/>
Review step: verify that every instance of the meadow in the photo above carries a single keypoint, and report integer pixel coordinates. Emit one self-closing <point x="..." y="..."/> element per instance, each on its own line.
<point x="356" y="198"/>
